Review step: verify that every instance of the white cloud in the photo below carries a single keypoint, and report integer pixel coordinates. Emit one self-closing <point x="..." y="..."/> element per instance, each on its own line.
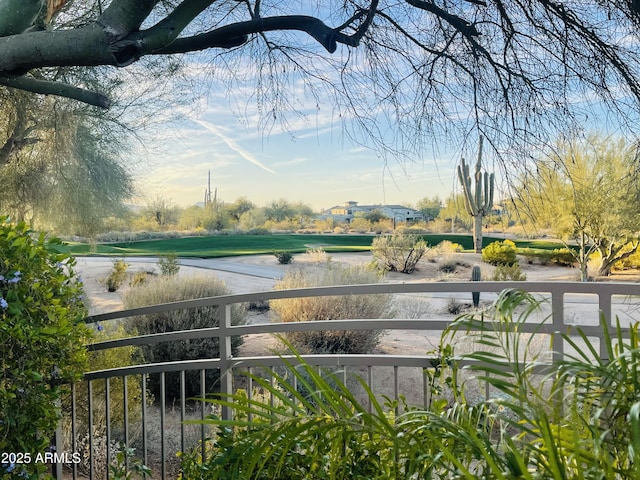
<point x="248" y="156"/>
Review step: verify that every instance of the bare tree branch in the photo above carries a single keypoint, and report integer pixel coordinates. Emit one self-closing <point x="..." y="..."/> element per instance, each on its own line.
<point x="46" y="87"/>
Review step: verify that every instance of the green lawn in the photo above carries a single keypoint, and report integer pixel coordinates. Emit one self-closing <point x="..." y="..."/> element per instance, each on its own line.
<point x="233" y="245"/>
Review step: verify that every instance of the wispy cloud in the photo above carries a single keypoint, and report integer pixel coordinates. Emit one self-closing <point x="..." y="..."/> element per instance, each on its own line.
<point x="293" y="161"/>
<point x="248" y="156"/>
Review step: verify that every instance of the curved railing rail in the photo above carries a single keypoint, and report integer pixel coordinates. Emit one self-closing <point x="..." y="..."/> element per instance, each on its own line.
<point x="555" y="295"/>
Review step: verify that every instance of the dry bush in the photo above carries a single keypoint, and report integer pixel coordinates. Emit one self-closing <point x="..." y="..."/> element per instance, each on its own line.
<point x="316" y="255"/>
<point x="448" y="248"/>
<point x="172" y="289"/>
<point x="413" y="308"/>
<point x="331" y="308"/>
<point x="398" y="252"/>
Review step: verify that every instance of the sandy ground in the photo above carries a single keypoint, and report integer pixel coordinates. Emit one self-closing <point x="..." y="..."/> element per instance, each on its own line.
<point x="94" y="271"/>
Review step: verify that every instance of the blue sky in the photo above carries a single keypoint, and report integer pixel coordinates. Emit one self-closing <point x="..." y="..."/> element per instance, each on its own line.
<point x="311" y="160"/>
<point x="305" y="156"/>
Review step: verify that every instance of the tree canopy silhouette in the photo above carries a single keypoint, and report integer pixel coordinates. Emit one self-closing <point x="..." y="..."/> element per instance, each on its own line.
<point x="520" y="64"/>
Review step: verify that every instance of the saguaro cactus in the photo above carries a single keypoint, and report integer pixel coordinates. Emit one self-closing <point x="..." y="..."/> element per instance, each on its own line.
<point x="479" y="202"/>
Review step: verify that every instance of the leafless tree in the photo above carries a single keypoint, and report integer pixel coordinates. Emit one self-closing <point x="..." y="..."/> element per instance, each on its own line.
<point x="511" y="68"/>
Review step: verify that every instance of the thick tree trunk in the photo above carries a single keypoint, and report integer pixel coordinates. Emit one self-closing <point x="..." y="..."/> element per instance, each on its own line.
<point x="477" y="233"/>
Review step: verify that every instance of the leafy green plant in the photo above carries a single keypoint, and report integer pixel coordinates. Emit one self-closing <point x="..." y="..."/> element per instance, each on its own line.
<point x="577" y="417"/>
<point x="574" y="418"/>
<point x="168" y="264"/>
<point x="512" y="272"/>
<point x="331" y="308"/>
<point x="500" y="253"/>
<point x="126" y="466"/>
<point x="117" y="275"/>
<point x="284" y="258"/>
<point x="42" y="335"/>
<point x="322" y="433"/>
<point x="398" y="252"/>
<point x="165" y="289"/>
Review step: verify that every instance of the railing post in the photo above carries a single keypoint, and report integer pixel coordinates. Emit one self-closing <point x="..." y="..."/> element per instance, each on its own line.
<point x="226" y="376"/>
<point x="557" y="321"/>
<point x="57" y="441"/>
<point x="604" y="304"/>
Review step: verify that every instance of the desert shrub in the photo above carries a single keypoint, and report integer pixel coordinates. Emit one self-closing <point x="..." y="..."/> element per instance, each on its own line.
<point x="398" y="252"/>
<point x="168" y="264"/>
<point x="454" y="307"/>
<point x="259" y="306"/>
<point x="138" y="278"/>
<point x="42" y="338"/>
<point x="500" y="253"/>
<point x="117" y="275"/>
<point x="447" y="247"/>
<point x="171" y="289"/>
<point x="331" y="308"/>
<point x="417" y="230"/>
<point x="531" y="255"/>
<point x="284" y="258"/>
<point x="258" y="231"/>
<point x="447" y="264"/>
<point x="412" y="308"/>
<point x="360" y="225"/>
<point x="317" y="255"/>
<point x="563" y="257"/>
<point x="509" y="272"/>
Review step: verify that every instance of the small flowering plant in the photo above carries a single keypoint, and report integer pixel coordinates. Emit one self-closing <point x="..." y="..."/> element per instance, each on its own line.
<point x="42" y="338"/>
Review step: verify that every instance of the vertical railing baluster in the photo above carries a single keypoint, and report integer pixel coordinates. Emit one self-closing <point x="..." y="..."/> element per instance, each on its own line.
<point x="58" y="443"/>
<point x="370" y="384"/>
<point x="74" y="440"/>
<point x="203" y="390"/>
<point x="250" y="391"/>
<point x="396" y="389"/>
<point x="557" y="343"/>
<point x="425" y="389"/>
<point x="183" y="399"/>
<point x="162" y="425"/>
<point x="125" y="418"/>
<point x="272" y="383"/>
<point x="144" y="421"/>
<point x="107" y="405"/>
<point x="605" y="305"/>
<point x="90" y="427"/>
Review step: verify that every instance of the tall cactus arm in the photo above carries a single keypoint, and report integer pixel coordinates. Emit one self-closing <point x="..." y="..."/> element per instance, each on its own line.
<point x="18" y="15"/>
<point x="465" y="181"/>
<point x="485" y="199"/>
<point x="479" y="189"/>
<point x="492" y="181"/>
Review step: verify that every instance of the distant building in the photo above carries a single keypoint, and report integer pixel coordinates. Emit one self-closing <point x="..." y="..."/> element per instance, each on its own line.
<point x="349" y="210"/>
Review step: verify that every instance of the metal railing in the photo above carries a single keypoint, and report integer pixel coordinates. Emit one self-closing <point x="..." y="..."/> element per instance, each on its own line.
<point x="94" y="438"/>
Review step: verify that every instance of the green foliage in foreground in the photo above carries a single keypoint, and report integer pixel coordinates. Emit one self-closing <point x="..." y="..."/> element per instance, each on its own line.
<point x="42" y="338"/>
<point x="232" y="245"/>
<point x="578" y="418"/>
